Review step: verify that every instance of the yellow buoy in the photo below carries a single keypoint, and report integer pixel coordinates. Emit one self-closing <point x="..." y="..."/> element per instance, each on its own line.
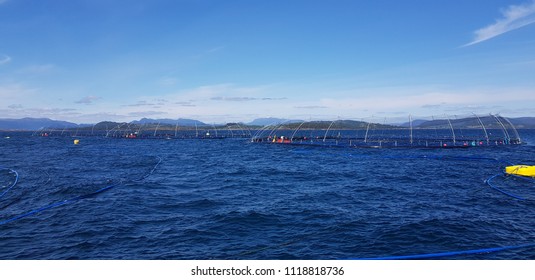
<point x="521" y="170"/>
<point x="76" y="141"/>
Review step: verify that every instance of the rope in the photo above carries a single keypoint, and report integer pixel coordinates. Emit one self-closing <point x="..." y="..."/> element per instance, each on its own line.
<point x="80" y="197"/>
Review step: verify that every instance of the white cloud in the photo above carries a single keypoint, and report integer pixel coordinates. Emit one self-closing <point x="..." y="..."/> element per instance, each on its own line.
<point x="215" y="49"/>
<point x="206" y="101"/>
<point x="4" y="59"/>
<point x="235" y="98"/>
<point x="432" y="102"/>
<point x="88" y="100"/>
<point x="218" y="92"/>
<point x="513" y="17"/>
<point x="15" y="106"/>
<point x="245" y="98"/>
<point x="146" y="113"/>
<point x="18" y="111"/>
<point x="100" y="116"/>
<point x="312" y="107"/>
<point x="185" y="103"/>
<point x="15" y="92"/>
<point x="167" y="81"/>
<point x="140" y="103"/>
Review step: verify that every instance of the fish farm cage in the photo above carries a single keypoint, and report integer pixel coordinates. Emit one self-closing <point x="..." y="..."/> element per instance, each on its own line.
<point x="445" y="132"/>
<point x="473" y="131"/>
<point x="152" y="131"/>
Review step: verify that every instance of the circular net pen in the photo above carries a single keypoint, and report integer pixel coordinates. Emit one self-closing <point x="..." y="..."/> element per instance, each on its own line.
<point x="445" y="132"/>
<point x="153" y="130"/>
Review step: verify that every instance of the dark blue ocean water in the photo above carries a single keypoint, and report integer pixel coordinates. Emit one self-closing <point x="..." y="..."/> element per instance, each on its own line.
<point x="232" y="199"/>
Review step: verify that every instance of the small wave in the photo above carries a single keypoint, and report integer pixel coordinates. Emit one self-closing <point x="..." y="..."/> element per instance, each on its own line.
<point x="249" y="218"/>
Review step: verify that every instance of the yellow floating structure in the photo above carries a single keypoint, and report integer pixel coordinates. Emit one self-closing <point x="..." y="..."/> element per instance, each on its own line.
<point x="76" y="141"/>
<point x="521" y="170"/>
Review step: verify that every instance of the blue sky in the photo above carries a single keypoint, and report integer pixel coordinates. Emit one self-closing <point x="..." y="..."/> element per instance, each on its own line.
<point x="220" y="61"/>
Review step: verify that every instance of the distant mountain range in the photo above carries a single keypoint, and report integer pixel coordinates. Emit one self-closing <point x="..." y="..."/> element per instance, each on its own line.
<point x="271" y="121"/>
<point x="40" y="123"/>
<point x="33" y="124"/>
<point x="524" y="122"/>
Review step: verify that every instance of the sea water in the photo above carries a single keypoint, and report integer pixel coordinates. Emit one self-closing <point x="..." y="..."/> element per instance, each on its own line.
<point x="233" y="199"/>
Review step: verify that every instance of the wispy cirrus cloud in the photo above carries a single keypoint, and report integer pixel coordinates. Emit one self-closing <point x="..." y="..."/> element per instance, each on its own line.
<point x="167" y="81"/>
<point x="16" y="92"/>
<point x="245" y="98"/>
<point x="235" y="98"/>
<point x="185" y="103"/>
<point x="88" y="100"/>
<point x="156" y="103"/>
<point x="15" y="106"/>
<point x="146" y="113"/>
<point x="19" y="111"/>
<point x="141" y="103"/>
<point x="311" y="107"/>
<point x="4" y="58"/>
<point x="513" y="17"/>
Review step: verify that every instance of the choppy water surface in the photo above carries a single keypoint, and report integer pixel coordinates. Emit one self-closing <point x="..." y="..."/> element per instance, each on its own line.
<point x="232" y="199"/>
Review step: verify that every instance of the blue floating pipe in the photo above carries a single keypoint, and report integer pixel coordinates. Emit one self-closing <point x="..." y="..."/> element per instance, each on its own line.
<point x="450" y="254"/>
<point x="13" y="184"/>
<point x="58" y="204"/>
<point x="80" y="197"/>
<point x="489" y="182"/>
